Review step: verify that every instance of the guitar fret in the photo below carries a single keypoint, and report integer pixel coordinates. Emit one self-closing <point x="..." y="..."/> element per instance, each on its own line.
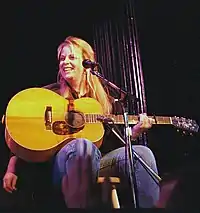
<point x="118" y="119"/>
<point x="87" y="119"/>
<point x="96" y="118"/>
<point x="134" y="119"/>
<point x="161" y="120"/>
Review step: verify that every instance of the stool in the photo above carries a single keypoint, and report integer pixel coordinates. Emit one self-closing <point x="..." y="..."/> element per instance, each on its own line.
<point x="110" y="182"/>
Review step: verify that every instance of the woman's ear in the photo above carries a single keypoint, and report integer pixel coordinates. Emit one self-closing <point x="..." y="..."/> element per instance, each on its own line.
<point x="3" y="119"/>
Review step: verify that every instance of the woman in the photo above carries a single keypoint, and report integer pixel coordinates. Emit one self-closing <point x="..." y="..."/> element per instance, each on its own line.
<point x="78" y="164"/>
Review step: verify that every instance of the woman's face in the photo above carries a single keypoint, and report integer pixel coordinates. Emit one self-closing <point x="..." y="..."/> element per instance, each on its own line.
<point x="70" y="64"/>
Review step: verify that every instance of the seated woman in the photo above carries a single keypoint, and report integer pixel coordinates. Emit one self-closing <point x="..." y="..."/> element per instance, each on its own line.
<point x="76" y="166"/>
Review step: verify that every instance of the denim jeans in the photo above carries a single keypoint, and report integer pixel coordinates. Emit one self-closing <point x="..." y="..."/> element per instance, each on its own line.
<point x="78" y="164"/>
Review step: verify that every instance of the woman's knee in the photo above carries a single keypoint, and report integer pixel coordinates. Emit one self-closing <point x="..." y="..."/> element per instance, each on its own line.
<point x="146" y="154"/>
<point x="70" y="155"/>
<point x="80" y="147"/>
<point x="118" y="157"/>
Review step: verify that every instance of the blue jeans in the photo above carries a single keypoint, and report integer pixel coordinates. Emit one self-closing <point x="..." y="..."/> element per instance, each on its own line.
<point x="78" y="164"/>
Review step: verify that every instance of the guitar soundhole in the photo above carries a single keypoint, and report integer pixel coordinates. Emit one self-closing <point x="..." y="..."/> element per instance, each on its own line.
<point x="75" y="119"/>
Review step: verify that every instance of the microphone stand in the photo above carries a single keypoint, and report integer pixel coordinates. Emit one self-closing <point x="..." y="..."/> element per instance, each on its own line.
<point x="153" y="174"/>
<point x="127" y="142"/>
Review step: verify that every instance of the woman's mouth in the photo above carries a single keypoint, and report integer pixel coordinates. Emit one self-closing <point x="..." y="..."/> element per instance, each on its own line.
<point x="67" y="69"/>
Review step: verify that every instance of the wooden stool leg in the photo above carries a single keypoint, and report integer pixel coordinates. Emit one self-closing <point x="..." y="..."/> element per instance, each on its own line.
<point x="115" y="200"/>
<point x="111" y="181"/>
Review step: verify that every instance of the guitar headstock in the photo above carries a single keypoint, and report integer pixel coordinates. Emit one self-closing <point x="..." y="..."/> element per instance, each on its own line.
<point x="185" y="124"/>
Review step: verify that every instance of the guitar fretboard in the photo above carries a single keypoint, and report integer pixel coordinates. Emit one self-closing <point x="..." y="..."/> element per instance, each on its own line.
<point x="118" y="119"/>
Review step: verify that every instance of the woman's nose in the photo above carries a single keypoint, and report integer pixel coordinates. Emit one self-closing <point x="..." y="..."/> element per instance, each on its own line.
<point x="66" y="61"/>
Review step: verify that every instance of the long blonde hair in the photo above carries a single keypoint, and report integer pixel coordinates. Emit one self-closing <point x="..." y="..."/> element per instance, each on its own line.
<point x="92" y="83"/>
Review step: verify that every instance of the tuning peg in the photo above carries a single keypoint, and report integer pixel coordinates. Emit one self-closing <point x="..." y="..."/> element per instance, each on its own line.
<point x="178" y="130"/>
<point x="191" y="134"/>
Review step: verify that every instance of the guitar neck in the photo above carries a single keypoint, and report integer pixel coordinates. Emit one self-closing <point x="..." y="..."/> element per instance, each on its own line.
<point x="133" y="119"/>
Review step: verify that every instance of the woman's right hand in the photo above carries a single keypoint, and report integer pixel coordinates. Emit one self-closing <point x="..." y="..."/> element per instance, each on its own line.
<point x="9" y="182"/>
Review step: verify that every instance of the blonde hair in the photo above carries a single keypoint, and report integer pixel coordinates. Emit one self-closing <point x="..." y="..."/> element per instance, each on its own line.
<point x="92" y="83"/>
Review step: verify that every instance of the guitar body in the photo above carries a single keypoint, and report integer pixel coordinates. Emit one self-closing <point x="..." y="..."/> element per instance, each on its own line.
<point x="26" y="134"/>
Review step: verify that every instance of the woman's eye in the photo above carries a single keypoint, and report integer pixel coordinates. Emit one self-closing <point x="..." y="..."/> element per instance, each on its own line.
<point x="72" y="57"/>
<point x="62" y="58"/>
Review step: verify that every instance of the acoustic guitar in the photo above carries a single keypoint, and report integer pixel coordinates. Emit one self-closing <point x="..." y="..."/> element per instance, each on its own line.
<point x="38" y="122"/>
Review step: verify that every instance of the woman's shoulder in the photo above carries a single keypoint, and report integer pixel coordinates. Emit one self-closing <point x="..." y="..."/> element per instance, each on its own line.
<point x="55" y="87"/>
<point x="52" y="86"/>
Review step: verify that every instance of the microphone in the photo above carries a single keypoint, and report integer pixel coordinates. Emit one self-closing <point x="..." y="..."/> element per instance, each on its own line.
<point x="89" y="64"/>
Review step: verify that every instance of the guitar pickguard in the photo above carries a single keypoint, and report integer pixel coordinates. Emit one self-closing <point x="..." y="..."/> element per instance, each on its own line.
<point x="61" y="128"/>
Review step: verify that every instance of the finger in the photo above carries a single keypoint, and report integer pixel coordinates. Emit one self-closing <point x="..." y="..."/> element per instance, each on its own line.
<point x="6" y="187"/>
<point x="9" y="184"/>
<point x="152" y="120"/>
<point x="13" y="184"/>
<point x="142" y="117"/>
<point x="8" y="190"/>
<point x="146" y="123"/>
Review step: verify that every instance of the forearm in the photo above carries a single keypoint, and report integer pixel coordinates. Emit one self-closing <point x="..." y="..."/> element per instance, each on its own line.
<point x="135" y="132"/>
<point x="12" y="164"/>
<point x="135" y="136"/>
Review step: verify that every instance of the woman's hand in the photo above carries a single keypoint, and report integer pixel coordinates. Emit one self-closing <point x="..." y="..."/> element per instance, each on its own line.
<point x="9" y="182"/>
<point x="143" y="125"/>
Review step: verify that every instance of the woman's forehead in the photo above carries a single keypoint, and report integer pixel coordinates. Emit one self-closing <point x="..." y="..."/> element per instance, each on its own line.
<point x="70" y="49"/>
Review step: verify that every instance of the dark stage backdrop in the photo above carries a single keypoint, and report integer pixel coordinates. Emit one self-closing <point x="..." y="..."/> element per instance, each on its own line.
<point x="169" y="41"/>
<point x="116" y="44"/>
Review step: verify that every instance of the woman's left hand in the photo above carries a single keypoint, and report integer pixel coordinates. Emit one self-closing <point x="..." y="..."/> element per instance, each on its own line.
<point x="143" y="125"/>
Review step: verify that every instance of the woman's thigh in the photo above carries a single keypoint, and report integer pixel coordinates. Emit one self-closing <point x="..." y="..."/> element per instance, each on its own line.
<point x="114" y="164"/>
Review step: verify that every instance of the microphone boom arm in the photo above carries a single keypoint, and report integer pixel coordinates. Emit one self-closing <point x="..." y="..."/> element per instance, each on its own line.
<point x="126" y="94"/>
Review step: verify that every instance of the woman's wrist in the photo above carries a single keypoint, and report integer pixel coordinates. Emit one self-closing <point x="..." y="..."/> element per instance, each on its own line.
<point x="12" y="165"/>
<point x="136" y="131"/>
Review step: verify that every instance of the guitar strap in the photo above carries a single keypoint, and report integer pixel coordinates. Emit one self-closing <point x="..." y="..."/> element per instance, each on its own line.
<point x="70" y="105"/>
<point x="73" y="91"/>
